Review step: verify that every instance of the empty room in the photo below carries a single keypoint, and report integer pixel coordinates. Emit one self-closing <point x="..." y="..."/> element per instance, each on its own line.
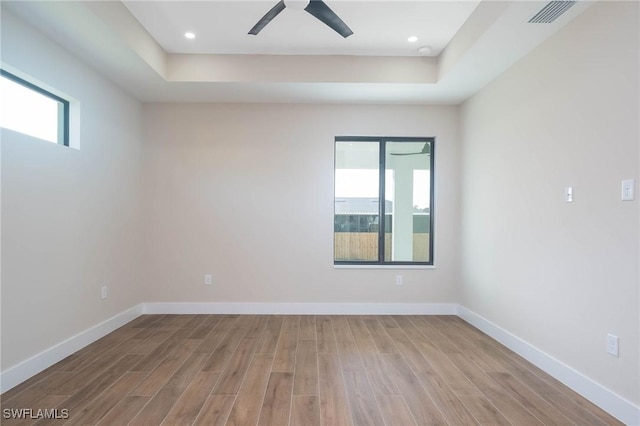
<point x="328" y="212"/>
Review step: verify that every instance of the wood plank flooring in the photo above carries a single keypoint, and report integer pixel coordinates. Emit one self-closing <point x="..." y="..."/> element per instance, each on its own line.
<point x="297" y="370"/>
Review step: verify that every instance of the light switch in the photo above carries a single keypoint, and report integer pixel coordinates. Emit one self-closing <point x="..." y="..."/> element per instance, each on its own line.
<point x="613" y="345"/>
<point x="568" y="194"/>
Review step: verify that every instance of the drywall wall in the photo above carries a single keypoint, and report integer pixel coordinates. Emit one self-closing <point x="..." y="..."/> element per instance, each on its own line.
<point x="70" y="217"/>
<point x="245" y="193"/>
<point x="559" y="275"/>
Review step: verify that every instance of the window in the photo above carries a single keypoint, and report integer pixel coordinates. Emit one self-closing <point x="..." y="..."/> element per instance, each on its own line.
<point x="383" y="201"/>
<point x="32" y="110"/>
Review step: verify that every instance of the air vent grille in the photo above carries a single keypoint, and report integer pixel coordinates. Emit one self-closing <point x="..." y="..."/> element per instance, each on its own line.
<point x="551" y="12"/>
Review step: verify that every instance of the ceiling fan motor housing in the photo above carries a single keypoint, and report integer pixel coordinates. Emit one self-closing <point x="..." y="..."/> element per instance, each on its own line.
<point x="296" y="4"/>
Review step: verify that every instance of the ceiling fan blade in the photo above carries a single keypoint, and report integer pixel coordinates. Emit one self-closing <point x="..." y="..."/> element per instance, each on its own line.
<point x="275" y="10"/>
<point x="320" y="10"/>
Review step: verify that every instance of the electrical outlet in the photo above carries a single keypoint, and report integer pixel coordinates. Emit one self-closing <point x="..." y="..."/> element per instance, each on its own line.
<point x="628" y="189"/>
<point x="104" y="292"/>
<point x="399" y="280"/>
<point x="613" y="343"/>
<point x="208" y="279"/>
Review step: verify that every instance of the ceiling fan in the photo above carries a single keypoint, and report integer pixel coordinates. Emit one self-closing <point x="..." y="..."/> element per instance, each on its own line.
<point x="317" y="8"/>
<point x="425" y="150"/>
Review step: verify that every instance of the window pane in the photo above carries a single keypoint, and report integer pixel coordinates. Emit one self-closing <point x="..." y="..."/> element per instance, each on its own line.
<point x="356" y="213"/>
<point x="27" y="111"/>
<point x="407" y="201"/>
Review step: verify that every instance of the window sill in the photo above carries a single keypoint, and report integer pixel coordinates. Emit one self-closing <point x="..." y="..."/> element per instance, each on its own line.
<point x="384" y="266"/>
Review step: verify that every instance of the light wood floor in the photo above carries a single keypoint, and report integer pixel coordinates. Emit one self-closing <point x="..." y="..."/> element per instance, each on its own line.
<point x="300" y="370"/>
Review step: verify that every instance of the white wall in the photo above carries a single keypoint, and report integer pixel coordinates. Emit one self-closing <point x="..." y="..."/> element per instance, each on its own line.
<point x="70" y="218"/>
<point x="558" y="275"/>
<point x="245" y="192"/>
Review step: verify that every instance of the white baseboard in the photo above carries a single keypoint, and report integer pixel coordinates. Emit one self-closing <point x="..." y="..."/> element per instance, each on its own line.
<point x="20" y="372"/>
<point x="302" y="308"/>
<point x="617" y="406"/>
<point x="622" y="409"/>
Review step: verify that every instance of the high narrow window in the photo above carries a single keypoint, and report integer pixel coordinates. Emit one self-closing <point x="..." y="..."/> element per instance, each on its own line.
<point x="383" y="200"/>
<point x="32" y="110"/>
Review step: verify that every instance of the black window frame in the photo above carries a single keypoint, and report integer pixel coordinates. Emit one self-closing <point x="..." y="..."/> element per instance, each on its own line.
<point x="382" y="140"/>
<point x="63" y="139"/>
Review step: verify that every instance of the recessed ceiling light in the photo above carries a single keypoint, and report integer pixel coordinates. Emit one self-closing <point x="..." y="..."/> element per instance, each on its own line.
<point x="190" y="35"/>
<point x="412" y="39"/>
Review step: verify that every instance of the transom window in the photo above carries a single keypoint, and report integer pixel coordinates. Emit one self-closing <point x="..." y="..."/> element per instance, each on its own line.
<point x="383" y="200"/>
<point x="32" y="110"/>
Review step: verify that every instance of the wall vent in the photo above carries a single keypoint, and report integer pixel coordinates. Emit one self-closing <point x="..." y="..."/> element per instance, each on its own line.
<point x="551" y="12"/>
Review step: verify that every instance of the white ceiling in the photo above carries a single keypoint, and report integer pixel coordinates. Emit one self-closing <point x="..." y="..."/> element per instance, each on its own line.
<point x="380" y="28"/>
<point x="140" y="45"/>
